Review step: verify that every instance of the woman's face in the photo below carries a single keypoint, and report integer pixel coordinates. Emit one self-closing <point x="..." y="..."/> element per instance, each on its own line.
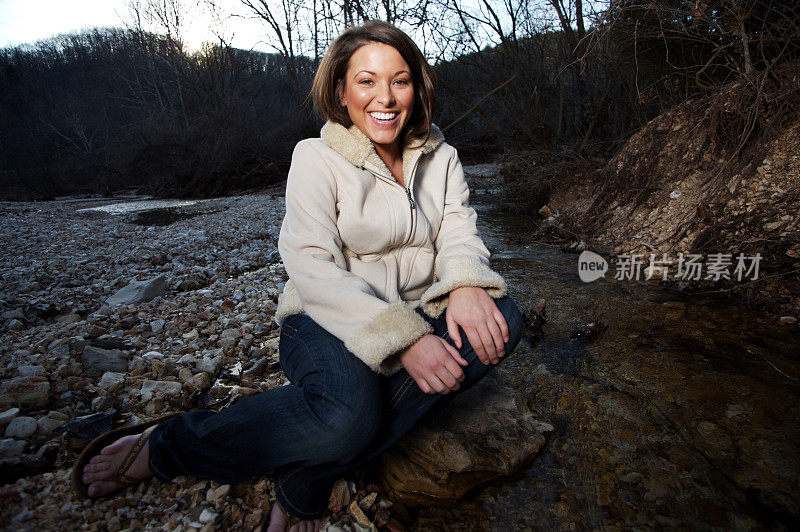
<point x="378" y="93"/>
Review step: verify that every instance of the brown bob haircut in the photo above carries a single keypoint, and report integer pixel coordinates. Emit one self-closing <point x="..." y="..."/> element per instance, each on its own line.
<point x="329" y="79"/>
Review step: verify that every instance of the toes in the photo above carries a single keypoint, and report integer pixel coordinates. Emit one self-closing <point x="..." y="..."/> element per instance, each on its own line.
<point x="98" y="489"/>
<point x="94" y="476"/>
<point x="95" y="468"/>
<point x="101" y="458"/>
<point x="305" y="526"/>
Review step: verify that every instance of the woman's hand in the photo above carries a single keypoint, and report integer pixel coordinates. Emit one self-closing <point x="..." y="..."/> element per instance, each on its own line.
<point x="483" y="323"/>
<point x="434" y="364"/>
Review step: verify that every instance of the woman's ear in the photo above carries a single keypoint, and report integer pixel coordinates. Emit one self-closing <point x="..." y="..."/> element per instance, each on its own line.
<point x="340" y="93"/>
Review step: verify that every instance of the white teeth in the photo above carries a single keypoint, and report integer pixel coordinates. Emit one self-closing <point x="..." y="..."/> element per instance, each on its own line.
<point x="383" y="116"/>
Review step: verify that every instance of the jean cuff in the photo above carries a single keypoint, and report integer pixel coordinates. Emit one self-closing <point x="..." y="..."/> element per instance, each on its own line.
<point x="290" y="508"/>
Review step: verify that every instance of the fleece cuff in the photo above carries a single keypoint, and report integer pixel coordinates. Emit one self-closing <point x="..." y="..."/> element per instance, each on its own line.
<point x="461" y="270"/>
<point x="288" y="304"/>
<point x="390" y="331"/>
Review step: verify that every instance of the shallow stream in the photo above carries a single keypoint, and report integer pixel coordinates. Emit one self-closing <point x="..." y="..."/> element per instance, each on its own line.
<point x="681" y="413"/>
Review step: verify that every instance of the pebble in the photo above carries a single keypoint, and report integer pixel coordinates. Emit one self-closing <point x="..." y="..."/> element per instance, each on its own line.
<point x="106" y="360"/>
<point x="9" y="448"/>
<point x="21" y="428"/>
<point x="31" y="370"/>
<point x="137" y="292"/>
<point x="49" y="423"/>
<point x="96" y="359"/>
<point x="152" y="388"/>
<point x="16" y="325"/>
<point x="359" y="515"/>
<point x="200" y="381"/>
<point x="111" y="381"/>
<point x="340" y="496"/>
<point x="28" y="391"/>
<point x="215" y="495"/>
<point x="210" y="364"/>
<point x="208" y="516"/>
<point x="7" y="415"/>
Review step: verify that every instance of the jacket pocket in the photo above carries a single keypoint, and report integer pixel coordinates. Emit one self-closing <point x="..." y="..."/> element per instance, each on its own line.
<point x="419" y="270"/>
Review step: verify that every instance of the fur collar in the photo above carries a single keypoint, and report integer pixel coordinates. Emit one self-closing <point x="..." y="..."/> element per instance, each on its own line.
<point x="356" y="147"/>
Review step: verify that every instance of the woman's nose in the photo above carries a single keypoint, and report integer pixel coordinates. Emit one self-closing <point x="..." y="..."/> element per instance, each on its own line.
<point x="385" y="96"/>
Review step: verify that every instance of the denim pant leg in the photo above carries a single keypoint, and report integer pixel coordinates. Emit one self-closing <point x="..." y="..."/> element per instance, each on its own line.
<point x="328" y="414"/>
<point x="309" y="488"/>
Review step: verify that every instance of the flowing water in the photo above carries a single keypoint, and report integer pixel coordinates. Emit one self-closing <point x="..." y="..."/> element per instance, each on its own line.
<point x="681" y="413"/>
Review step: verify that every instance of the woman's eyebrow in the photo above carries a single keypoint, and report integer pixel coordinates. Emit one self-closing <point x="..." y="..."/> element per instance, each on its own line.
<point x="373" y="73"/>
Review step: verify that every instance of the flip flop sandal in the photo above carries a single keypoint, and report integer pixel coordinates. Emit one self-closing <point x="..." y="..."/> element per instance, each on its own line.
<point x="94" y="448"/>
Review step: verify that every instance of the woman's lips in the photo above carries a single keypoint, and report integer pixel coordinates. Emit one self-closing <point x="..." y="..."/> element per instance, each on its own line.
<point x="377" y="122"/>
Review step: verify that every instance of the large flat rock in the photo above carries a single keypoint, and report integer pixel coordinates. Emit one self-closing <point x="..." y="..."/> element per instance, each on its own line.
<point x="487" y="432"/>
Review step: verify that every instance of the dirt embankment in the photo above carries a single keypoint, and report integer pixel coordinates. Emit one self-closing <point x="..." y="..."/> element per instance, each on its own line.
<point x="716" y="175"/>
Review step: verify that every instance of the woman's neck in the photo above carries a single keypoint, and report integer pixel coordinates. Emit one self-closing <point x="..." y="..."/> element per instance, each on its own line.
<point x="392" y="156"/>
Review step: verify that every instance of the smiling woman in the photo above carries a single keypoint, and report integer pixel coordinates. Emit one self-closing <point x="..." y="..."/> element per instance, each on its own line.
<point x="390" y="304"/>
<point x="379" y="95"/>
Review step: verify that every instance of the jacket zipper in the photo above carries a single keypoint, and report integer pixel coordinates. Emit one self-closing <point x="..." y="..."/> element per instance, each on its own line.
<point x="410" y="200"/>
<point x="411" y="203"/>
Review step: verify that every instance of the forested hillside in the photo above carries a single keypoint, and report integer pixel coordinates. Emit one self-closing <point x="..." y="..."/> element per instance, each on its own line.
<point x="116" y="108"/>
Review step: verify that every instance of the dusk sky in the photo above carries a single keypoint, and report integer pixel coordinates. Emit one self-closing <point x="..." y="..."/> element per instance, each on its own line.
<point x="26" y="21"/>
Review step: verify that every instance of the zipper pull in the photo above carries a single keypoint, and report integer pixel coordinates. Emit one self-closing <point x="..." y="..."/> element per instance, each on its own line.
<point x="410" y="200"/>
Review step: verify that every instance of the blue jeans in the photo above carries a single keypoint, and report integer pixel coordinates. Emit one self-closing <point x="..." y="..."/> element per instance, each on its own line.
<point x="336" y="416"/>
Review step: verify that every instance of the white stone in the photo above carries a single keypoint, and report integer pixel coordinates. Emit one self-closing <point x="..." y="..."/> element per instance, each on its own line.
<point x="7" y="415"/>
<point x="152" y="388"/>
<point x="207" y="516"/>
<point x="21" y="428"/>
<point x="210" y="364"/>
<point x="48" y="424"/>
<point x="111" y="381"/>
<point x="150" y="355"/>
<point x="139" y="291"/>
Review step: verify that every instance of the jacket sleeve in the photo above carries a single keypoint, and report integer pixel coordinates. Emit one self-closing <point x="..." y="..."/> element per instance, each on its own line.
<point x="341" y="302"/>
<point x="461" y="256"/>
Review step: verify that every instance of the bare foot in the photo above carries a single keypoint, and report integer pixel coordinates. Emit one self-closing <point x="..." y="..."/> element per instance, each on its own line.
<point x="97" y="474"/>
<point x="279" y="522"/>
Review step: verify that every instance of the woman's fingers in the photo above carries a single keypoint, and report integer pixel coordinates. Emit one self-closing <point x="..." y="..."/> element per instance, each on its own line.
<point x="477" y="344"/>
<point x="452" y="329"/>
<point x="436" y="383"/>
<point x="501" y="321"/>
<point x="497" y="338"/>
<point x="424" y="386"/>
<point x="454" y="353"/>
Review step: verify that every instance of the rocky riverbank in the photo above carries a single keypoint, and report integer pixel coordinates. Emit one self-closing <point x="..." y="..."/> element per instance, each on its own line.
<point x="111" y="315"/>
<point x="205" y="339"/>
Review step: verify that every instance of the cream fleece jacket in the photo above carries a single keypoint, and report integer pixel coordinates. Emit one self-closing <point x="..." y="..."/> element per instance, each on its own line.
<point x="362" y="251"/>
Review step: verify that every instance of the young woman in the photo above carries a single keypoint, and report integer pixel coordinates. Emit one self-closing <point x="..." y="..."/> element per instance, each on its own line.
<point x="390" y="307"/>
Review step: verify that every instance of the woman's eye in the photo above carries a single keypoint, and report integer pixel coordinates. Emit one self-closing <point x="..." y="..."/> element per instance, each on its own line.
<point x="365" y="82"/>
<point x="402" y="81"/>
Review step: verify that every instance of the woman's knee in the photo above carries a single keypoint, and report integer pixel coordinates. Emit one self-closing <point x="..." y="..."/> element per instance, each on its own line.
<point x="347" y="421"/>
